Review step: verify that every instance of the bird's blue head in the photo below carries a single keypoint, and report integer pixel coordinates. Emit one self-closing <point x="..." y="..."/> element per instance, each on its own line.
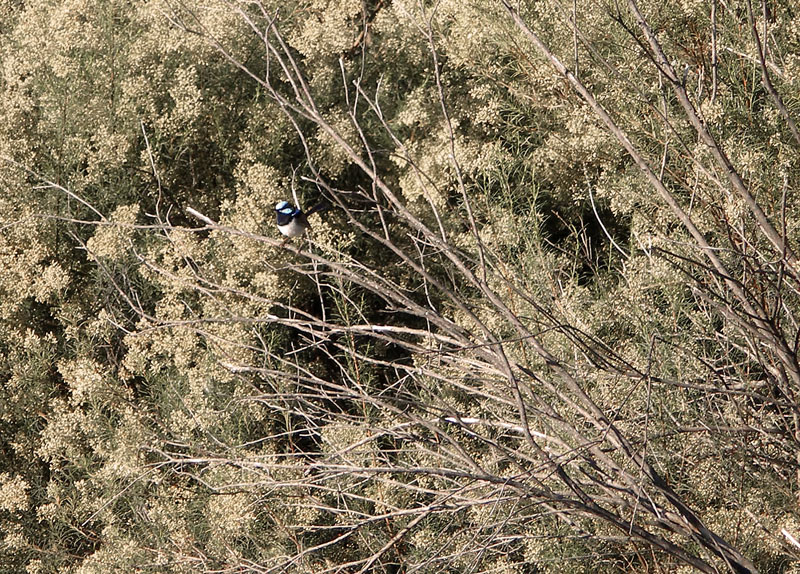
<point x="284" y="207"/>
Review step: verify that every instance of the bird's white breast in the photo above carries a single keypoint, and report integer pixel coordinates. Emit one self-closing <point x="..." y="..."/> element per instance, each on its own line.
<point x="292" y="229"/>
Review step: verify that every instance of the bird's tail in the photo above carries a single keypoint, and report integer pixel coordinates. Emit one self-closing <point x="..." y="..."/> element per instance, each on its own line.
<point x="321" y="206"/>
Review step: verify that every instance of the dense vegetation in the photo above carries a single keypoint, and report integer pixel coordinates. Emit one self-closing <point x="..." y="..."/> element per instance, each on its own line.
<point x="549" y="323"/>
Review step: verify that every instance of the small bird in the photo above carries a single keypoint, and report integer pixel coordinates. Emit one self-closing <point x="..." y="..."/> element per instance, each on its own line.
<point x="292" y="221"/>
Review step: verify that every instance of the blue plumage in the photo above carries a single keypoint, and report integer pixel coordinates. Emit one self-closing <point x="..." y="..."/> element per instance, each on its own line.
<point x="292" y="221"/>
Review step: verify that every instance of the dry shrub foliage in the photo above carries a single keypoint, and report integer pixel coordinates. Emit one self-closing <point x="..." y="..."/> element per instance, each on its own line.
<point x="548" y="325"/>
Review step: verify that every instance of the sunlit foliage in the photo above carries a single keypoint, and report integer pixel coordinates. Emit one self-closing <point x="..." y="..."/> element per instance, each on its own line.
<point x="500" y="350"/>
